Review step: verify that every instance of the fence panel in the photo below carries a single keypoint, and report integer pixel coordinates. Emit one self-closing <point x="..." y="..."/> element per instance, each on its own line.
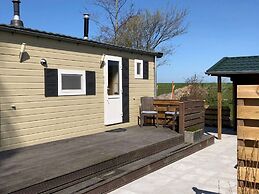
<point x="211" y="117"/>
<point x="192" y="114"/>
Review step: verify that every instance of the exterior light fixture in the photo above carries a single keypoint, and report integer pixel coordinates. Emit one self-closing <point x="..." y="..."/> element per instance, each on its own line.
<point x="43" y="62"/>
<point x="22" y="51"/>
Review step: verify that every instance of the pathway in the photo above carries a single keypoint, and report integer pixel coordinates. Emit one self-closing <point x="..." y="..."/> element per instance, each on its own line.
<point x="209" y="171"/>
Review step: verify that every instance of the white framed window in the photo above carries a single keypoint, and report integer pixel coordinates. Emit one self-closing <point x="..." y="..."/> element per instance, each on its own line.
<point x="71" y="82"/>
<point x="138" y="68"/>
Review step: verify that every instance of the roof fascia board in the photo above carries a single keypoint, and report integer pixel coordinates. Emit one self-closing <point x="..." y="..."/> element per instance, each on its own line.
<point x="54" y="36"/>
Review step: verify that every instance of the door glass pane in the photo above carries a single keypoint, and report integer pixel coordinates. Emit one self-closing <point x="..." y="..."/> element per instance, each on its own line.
<point x="113" y="78"/>
<point x="71" y="81"/>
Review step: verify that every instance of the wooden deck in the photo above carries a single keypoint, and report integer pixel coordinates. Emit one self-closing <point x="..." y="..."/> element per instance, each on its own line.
<point x="34" y="166"/>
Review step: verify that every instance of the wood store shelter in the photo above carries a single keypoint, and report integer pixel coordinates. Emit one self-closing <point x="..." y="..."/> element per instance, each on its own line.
<point x="54" y="86"/>
<point x="244" y="73"/>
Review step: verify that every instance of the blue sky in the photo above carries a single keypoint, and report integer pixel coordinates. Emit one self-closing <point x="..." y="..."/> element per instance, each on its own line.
<point x="216" y="28"/>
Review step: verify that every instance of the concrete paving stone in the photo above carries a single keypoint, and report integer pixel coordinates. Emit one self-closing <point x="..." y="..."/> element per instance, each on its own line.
<point x="184" y="166"/>
<point x="124" y="191"/>
<point x="228" y="175"/>
<point x="158" y="179"/>
<point x="220" y="184"/>
<point x="204" y="171"/>
<point x="143" y="187"/>
<point x="190" y="177"/>
<point x="172" y="171"/>
<point x="201" y="179"/>
<point x="177" y="187"/>
<point x="226" y="183"/>
<point x="172" y="175"/>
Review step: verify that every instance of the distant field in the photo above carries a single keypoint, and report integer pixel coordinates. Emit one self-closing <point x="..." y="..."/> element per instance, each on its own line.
<point x="165" y="88"/>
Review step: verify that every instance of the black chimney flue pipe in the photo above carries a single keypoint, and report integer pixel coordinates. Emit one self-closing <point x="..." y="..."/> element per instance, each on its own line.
<point x="16" y="18"/>
<point x="86" y="26"/>
<point x="16" y="7"/>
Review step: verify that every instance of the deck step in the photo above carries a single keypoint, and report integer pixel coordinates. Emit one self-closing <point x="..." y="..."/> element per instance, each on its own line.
<point x="102" y="178"/>
<point x="110" y="180"/>
<point x="92" y="175"/>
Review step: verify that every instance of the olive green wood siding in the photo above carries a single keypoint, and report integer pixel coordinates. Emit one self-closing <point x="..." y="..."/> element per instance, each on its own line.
<point x="38" y="119"/>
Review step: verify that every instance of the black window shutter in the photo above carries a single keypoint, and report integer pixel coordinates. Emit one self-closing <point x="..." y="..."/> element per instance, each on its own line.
<point x="125" y="89"/>
<point x="145" y="69"/>
<point x="90" y="83"/>
<point x="51" y="82"/>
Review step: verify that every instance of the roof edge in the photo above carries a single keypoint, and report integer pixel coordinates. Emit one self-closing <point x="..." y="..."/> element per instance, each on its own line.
<point x="220" y="61"/>
<point x="226" y="73"/>
<point x="56" y="36"/>
<point x="214" y="72"/>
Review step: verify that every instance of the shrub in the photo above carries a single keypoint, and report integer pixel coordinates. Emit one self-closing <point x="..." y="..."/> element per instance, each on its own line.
<point x="195" y="89"/>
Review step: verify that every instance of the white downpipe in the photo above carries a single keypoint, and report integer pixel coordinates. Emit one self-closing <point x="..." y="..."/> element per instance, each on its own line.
<point x="155" y="78"/>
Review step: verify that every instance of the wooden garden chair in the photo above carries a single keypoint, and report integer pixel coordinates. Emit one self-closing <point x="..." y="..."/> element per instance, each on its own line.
<point x="147" y="109"/>
<point x="171" y="116"/>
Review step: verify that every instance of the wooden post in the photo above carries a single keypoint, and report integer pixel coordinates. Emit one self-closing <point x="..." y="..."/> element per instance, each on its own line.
<point x="234" y="105"/>
<point x="181" y="117"/>
<point x="219" y="108"/>
<point x="173" y="86"/>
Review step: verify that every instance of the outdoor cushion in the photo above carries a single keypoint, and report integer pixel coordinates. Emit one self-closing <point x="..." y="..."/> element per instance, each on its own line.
<point x="148" y="112"/>
<point x="171" y="113"/>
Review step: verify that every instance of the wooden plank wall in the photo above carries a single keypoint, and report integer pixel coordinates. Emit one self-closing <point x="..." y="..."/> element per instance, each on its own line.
<point x="192" y="114"/>
<point x="38" y="119"/>
<point x="248" y="138"/>
<point x="211" y="117"/>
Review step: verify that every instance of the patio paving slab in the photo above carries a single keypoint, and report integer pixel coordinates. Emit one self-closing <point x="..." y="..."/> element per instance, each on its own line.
<point x="211" y="170"/>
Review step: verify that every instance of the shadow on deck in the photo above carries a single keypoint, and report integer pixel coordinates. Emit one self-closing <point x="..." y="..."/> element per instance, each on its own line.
<point x="94" y="163"/>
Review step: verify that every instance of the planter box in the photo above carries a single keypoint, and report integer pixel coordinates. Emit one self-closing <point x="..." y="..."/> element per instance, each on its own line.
<point x="193" y="136"/>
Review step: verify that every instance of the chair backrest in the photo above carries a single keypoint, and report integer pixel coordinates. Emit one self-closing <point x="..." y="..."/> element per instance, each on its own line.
<point x="147" y="103"/>
<point x="172" y="108"/>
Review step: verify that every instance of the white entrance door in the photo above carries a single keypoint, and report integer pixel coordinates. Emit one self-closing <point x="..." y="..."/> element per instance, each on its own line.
<point x="112" y="90"/>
